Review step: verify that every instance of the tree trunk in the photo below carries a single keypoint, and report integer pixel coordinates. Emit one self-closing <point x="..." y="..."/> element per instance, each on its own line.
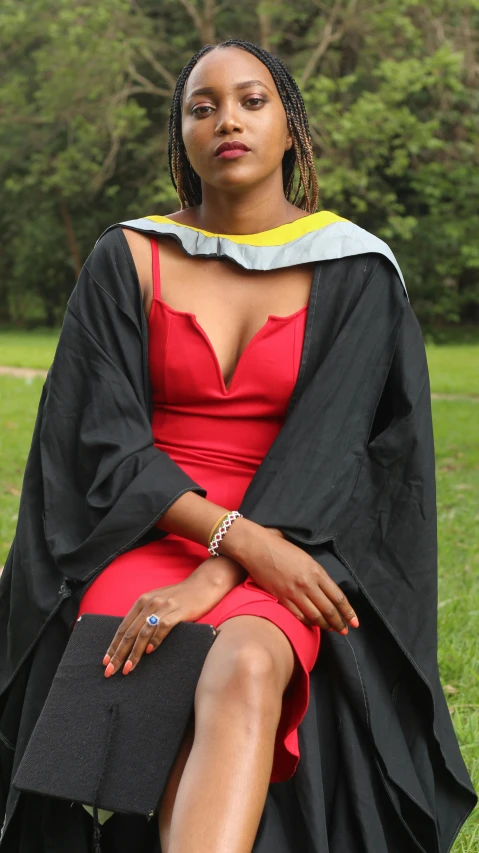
<point x="264" y="27"/>
<point x="208" y="32"/>
<point x="5" y="316"/>
<point x="71" y="239"/>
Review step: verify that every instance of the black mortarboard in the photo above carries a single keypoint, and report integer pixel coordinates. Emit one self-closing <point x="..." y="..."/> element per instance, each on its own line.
<point x="112" y="742"/>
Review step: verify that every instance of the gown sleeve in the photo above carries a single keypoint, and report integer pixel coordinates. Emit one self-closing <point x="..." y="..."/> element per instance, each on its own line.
<point x="314" y="464"/>
<point x="104" y="482"/>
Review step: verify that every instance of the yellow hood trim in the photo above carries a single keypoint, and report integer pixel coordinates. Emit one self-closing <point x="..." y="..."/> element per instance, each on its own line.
<point x="274" y="236"/>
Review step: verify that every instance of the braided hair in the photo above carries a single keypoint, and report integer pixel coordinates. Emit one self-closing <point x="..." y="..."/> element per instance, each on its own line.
<point x="187" y="182"/>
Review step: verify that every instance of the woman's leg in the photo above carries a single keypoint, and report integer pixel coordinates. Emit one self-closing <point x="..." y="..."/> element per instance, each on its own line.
<point x="222" y="785"/>
<point x="169" y="794"/>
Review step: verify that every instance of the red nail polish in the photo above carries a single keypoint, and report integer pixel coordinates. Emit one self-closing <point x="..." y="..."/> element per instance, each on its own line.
<point x="109" y="670"/>
<point x="354" y="622"/>
<point x="128" y="667"/>
<point x="344" y="632"/>
<point x="149" y="649"/>
<point x="106" y="660"/>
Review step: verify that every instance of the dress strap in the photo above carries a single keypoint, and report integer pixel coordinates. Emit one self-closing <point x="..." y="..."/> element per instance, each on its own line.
<point x="155" y="268"/>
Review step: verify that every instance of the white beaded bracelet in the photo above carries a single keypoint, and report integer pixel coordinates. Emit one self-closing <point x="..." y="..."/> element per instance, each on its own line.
<point x="223" y="528"/>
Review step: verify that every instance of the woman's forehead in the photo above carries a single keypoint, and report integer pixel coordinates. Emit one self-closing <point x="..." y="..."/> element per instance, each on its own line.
<point x="225" y="68"/>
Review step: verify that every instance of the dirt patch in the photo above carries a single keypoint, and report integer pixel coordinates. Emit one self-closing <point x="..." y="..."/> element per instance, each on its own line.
<point x="22" y="372"/>
<point x="474" y="398"/>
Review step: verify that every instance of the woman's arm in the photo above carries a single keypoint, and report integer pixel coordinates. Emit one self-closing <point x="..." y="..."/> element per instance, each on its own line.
<point x="275" y="564"/>
<point x="193" y="516"/>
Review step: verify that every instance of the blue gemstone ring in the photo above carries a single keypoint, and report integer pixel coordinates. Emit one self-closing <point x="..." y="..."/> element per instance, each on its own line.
<point x="153" y="620"/>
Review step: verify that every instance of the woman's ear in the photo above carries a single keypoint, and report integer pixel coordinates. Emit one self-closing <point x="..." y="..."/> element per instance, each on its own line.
<point x="289" y="141"/>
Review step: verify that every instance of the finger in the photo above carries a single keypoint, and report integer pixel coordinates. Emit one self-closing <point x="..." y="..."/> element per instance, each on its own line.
<point x="149" y="636"/>
<point x="317" y="599"/>
<point x="126" y="644"/>
<point x="290" y="605"/>
<point x="157" y="605"/>
<point x="337" y="597"/>
<point x="315" y="616"/>
<point x="302" y="615"/>
<point x="123" y="627"/>
<point x="117" y="639"/>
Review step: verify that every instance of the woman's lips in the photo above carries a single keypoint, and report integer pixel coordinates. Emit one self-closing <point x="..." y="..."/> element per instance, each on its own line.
<point x="231" y="150"/>
<point x="232" y="153"/>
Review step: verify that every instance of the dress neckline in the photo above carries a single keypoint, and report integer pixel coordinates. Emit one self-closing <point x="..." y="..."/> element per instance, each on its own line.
<point x="227" y="390"/>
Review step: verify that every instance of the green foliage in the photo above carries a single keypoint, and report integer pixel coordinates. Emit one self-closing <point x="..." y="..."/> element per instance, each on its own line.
<point x="392" y="91"/>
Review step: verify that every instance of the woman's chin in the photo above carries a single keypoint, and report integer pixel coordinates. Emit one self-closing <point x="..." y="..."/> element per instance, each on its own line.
<point x="236" y="184"/>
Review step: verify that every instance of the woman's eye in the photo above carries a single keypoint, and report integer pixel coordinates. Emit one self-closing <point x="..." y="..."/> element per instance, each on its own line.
<point x="255" y="102"/>
<point x="201" y="110"/>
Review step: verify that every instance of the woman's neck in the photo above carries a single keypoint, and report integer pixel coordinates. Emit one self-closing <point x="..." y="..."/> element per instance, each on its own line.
<point x="224" y="213"/>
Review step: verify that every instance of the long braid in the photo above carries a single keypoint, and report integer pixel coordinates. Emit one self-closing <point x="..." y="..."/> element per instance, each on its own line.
<point x="184" y="178"/>
<point x="186" y="181"/>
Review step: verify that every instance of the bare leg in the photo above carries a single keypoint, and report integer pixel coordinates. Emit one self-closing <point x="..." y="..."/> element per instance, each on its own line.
<point x="223" y="783"/>
<point x="169" y="795"/>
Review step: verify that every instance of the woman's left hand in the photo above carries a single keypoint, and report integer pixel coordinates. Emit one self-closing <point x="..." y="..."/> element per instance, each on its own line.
<point x="186" y="601"/>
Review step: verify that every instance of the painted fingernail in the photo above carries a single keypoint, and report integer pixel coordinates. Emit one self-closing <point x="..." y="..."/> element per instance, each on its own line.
<point x="149" y="648"/>
<point x="344" y="631"/>
<point x="354" y="622"/>
<point x="106" y="660"/>
<point x="128" y="667"/>
<point x="109" y="670"/>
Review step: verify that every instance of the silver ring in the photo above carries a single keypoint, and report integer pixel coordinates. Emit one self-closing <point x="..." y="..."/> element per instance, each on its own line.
<point x="153" y="620"/>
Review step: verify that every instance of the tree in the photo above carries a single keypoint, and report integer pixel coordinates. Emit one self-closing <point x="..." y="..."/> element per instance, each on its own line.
<point x="392" y="92"/>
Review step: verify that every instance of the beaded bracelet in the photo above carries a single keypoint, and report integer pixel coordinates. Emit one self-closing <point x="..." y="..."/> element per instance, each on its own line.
<point x="217" y="524"/>
<point x="224" y="527"/>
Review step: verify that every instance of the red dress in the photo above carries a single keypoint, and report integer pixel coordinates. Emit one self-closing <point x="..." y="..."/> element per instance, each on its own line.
<point x="219" y="436"/>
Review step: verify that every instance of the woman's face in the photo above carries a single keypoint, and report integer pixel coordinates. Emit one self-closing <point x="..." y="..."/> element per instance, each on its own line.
<point x="230" y="97"/>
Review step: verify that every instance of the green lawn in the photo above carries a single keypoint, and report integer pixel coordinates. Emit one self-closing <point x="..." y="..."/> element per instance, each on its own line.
<point x="454" y="370"/>
<point x="457" y="452"/>
<point x="28" y="349"/>
<point x="18" y="404"/>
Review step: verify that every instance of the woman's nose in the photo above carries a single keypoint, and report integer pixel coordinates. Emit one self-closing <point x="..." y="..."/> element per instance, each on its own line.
<point x="228" y="122"/>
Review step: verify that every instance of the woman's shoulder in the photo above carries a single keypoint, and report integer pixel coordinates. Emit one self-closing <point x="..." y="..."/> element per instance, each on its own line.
<point x="122" y="247"/>
<point x="140" y="249"/>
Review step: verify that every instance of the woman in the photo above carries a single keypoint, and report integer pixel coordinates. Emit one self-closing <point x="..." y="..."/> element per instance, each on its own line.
<point x="239" y="375"/>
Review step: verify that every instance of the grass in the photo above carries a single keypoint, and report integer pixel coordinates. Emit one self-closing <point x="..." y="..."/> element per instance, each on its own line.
<point x="28" y="349"/>
<point x="454" y="370"/>
<point x="457" y="454"/>
<point x="18" y="404"/>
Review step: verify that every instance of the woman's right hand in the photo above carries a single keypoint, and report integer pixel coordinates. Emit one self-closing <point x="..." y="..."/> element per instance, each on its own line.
<point x="286" y="571"/>
<point x="185" y="601"/>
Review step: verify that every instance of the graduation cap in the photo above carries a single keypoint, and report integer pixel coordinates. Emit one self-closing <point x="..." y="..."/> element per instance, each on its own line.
<point x="111" y="743"/>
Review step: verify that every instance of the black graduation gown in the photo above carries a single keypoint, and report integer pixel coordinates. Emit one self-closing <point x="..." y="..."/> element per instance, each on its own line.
<point x="349" y="478"/>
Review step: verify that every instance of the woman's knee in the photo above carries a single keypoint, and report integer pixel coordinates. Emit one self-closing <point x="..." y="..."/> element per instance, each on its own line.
<point x="245" y="672"/>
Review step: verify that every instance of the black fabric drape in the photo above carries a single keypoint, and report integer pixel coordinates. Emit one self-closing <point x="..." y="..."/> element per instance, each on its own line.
<point x="350" y="478"/>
